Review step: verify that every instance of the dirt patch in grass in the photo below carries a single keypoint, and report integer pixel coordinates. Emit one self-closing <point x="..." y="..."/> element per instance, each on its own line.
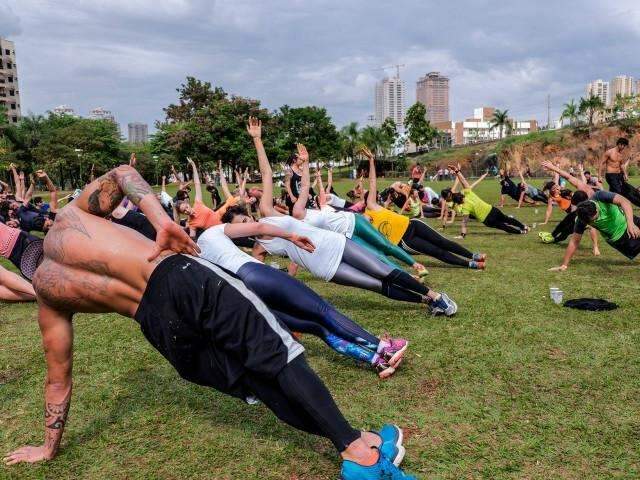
<point x="7" y="376"/>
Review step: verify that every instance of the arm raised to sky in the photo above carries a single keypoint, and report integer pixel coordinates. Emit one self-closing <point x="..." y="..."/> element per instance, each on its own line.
<point x="254" y="128"/>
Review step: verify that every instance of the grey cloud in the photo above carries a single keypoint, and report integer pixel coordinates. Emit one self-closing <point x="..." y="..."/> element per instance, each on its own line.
<point x="131" y="55"/>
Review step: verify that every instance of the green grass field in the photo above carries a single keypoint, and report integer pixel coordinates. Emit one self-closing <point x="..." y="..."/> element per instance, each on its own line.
<point x="512" y="387"/>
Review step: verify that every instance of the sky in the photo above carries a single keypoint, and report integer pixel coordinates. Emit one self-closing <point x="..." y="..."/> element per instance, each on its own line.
<point x="129" y="56"/>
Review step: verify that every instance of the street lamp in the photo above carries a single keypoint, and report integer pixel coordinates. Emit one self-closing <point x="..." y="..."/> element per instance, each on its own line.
<point x="155" y="159"/>
<point x="79" y="154"/>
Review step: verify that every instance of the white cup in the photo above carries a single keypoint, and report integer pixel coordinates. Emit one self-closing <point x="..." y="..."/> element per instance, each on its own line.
<point x="275" y="265"/>
<point x="552" y="290"/>
<point x="557" y="297"/>
<point x="534" y="226"/>
<point x="536" y="211"/>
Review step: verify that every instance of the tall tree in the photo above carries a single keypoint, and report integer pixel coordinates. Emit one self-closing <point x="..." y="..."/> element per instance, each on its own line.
<point x="388" y="136"/>
<point x="309" y="125"/>
<point x="350" y="140"/>
<point x="208" y="125"/>
<point x="570" y="112"/>
<point x="500" y="120"/>
<point x="590" y="106"/>
<point x="418" y="127"/>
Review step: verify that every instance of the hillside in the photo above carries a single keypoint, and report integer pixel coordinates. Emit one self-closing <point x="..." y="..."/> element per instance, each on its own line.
<point x="569" y="145"/>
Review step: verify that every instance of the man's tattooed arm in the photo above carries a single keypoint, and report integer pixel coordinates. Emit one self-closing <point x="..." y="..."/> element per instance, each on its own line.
<point x="103" y="195"/>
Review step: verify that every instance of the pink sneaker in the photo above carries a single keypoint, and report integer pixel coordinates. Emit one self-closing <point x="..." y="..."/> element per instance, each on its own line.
<point x="393" y="349"/>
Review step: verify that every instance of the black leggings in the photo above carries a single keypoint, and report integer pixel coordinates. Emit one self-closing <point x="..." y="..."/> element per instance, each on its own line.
<point x="497" y="219"/>
<point x="301" y="308"/>
<point x="422" y="239"/>
<point x="564" y="228"/>
<point x="619" y="185"/>
<point x="298" y="397"/>
<point x="362" y="269"/>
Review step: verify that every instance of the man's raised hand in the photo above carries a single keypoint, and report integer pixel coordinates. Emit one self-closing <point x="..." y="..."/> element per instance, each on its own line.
<point x="171" y="237"/>
<point x="254" y="127"/>
<point x="302" y="152"/>
<point x="367" y="153"/>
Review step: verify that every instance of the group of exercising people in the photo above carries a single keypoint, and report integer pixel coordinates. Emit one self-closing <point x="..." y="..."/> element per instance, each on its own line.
<point x="222" y="317"/>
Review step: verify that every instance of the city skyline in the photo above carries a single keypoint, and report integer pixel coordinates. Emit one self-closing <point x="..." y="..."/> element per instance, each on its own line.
<point x="120" y="54"/>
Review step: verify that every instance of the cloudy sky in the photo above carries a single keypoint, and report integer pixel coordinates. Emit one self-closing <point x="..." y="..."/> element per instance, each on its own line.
<point x="130" y="55"/>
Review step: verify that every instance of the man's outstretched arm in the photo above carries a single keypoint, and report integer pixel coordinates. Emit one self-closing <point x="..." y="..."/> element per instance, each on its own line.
<point x="103" y="195"/>
<point x="57" y="340"/>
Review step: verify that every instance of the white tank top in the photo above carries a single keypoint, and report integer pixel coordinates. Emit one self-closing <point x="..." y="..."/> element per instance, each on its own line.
<point x="328" y="219"/>
<point x="325" y="259"/>
<point x="217" y="248"/>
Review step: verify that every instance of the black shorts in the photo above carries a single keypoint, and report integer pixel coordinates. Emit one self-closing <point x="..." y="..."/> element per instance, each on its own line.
<point x="629" y="247"/>
<point x="211" y="327"/>
<point x="27" y="254"/>
<point x="138" y="222"/>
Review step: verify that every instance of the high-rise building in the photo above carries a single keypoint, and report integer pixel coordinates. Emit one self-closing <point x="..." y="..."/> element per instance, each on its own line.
<point x="599" y="88"/>
<point x="138" y="132"/>
<point x="432" y="91"/>
<point x="64" y="110"/>
<point x="9" y="91"/>
<point x="389" y="102"/>
<point x="620" y="85"/>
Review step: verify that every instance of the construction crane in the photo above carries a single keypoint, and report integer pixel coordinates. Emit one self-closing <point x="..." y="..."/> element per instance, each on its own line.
<point x="397" y="67"/>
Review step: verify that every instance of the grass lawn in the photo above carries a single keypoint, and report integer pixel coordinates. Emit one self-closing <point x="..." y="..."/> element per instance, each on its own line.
<point x="512" y="387"/>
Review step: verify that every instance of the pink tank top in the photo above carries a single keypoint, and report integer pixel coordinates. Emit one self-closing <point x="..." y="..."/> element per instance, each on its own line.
<point x="8" y="238"/>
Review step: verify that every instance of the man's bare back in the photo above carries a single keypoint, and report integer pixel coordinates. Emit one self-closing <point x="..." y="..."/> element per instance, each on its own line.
<point x="93" y="265"/>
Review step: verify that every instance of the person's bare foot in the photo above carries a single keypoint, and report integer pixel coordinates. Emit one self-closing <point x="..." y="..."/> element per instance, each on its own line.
<point x="372" y="439"/>
<point x="359" y="452"/>
<point x="596" y="252"/>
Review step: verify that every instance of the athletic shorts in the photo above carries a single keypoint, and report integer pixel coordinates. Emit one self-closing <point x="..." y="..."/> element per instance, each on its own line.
<point x="629" y="247"/>
<point x="211" y="327"/>
<point x="27" y="254"/>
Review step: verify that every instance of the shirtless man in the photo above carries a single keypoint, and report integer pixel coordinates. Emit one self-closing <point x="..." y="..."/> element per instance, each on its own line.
<point x="614" y="169"/>
<point x="207" y="324"/>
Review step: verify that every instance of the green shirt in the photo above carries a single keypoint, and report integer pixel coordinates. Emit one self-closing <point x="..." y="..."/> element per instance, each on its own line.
<point x="474" y="206"/>
<point x="611" y="221"/>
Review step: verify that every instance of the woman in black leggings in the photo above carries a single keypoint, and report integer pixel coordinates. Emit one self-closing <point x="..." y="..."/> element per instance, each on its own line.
<point x="415" y="236"/>
<point x="470" y="205"/>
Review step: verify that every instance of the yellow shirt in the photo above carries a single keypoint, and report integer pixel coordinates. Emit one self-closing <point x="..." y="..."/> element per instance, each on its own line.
<point x="474" y="206"/>
<point x="390" y="224"/>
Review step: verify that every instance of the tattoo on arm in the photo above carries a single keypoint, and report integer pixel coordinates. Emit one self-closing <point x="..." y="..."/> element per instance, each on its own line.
<point x="113" y="186"/>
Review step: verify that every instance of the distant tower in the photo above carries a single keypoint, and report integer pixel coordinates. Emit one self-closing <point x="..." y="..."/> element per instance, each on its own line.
<point x="138" y="133"/>
<point x="621" y="85"/>
<point x="599" y="88"/>
<point x="390" y="94"/>
<point x="432" y="91"/>
<point x="9" y="91"/>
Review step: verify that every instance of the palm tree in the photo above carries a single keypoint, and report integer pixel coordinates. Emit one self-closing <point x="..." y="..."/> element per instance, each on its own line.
<point x="372" y="138"/>
<point x="500" y="120"/>
<point x="570" y="112"/>
<point x="590" y="107"/>
<point x="350" y="140"/>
